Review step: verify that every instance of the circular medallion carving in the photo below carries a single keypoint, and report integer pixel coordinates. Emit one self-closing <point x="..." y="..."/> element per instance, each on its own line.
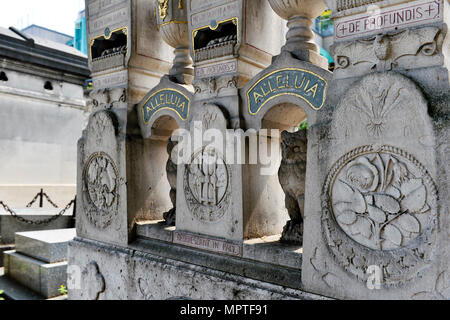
<point x="207" y="185"/>
<point x="379" y="208"/>
<point x="100" y="189"/>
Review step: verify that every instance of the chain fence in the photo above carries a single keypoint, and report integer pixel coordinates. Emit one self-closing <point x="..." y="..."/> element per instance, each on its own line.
<point x="40" y="195"/>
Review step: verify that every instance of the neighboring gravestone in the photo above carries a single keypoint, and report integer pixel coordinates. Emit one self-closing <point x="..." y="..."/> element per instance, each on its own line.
<point x="39" y="261"/>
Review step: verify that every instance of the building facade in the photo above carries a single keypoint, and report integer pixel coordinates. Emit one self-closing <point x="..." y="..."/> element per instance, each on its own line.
<point x="43" y="111"/>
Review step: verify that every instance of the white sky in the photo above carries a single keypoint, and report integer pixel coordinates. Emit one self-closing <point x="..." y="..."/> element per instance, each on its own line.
<point x="58" y="15"/>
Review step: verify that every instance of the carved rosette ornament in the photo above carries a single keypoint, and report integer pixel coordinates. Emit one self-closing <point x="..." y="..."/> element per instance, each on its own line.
<point x="100" y="189"/>
<point x="207" y="185"/>
<point x="379" y="208"/>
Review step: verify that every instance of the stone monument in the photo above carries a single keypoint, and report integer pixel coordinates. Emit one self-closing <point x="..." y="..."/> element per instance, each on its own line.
<point x="354" y="207"/>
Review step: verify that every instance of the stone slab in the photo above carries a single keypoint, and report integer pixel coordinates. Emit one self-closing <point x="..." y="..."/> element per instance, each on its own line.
<point x="154" y="270"/>
<point x="3" y="248"/>
<point x="265" y="250"/>
<point x="270" y="250"/>
<point x="15" y="291"/>
<point x="202" y="242"/>
<point x="49" y="246"/>
<point x="40" y="277"/>
<point x="155" y="230"/>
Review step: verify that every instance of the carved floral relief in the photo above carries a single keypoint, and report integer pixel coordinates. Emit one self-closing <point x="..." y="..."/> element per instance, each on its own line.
<point x="379" y="208"/>
<point x="379" y="202"/>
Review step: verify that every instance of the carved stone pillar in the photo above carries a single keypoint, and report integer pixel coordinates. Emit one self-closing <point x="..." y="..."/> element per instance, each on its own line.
<point x="172" y="23"/>
<point x="300" y="37"/>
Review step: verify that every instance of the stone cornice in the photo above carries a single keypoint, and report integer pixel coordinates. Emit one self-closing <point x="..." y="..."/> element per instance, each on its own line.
<point x="36" y="54"/>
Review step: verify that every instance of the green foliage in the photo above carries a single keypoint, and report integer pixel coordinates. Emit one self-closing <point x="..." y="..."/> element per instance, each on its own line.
<point x="304" y="125"/>
<point x="62" y="289"/>
<point x="1" y="292"/>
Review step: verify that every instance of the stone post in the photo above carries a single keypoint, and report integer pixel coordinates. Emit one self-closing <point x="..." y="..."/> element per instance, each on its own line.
<point x="172" y="23"/>
<point x="300" y="37"/>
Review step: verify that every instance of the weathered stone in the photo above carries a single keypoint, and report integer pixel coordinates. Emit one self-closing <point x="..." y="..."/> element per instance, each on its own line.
<point x="48" y="246"/>
<point x="37" y="275"/>
<point x="364" y="187"/>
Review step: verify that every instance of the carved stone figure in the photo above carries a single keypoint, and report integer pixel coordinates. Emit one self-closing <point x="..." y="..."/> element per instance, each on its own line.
<point x="207" y="186"/>
<point x="171" y="169"/>
<point x="292" y="174"/>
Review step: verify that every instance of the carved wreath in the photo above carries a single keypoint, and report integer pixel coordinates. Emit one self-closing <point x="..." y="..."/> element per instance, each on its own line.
<point x="379" y="209"/>
<point x="100" y="192"/>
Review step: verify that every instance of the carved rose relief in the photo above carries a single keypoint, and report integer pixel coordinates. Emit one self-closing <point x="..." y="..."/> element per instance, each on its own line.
<point x="379" y="208"/>
<point x="378" y="202"/>
<point x="100" y="189"/>
<point x="206" y="184"/>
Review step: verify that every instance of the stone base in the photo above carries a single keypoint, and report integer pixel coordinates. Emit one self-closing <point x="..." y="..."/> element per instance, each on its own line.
<point x="40" y="260"/>
<point x="42" y="278"/>
<point x="3" y="248"/>
<point x="151" y="269"/>
<point x="15" y="291"/>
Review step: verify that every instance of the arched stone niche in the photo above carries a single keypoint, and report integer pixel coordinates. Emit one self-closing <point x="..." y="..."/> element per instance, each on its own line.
<point x="279" y="98"/>
<point x="163" y="110"/>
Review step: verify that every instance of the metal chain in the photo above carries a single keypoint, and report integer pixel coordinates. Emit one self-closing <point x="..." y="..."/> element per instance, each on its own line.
<point x="49" y="200"/>
<point x="39" y="222"/>
<point x="34" y="200"/>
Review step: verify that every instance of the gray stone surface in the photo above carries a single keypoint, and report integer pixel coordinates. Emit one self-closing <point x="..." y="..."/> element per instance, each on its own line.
<point x="155" y="230"/>
<point x="43" y="278"/>
<point x="266" y="250"/>
<point x="388" y="116"/>
<point x="3" y="248"/>
<point x="48" y="246"/>
<point x="147" y="276"/>
<point x="15" y="291"/>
